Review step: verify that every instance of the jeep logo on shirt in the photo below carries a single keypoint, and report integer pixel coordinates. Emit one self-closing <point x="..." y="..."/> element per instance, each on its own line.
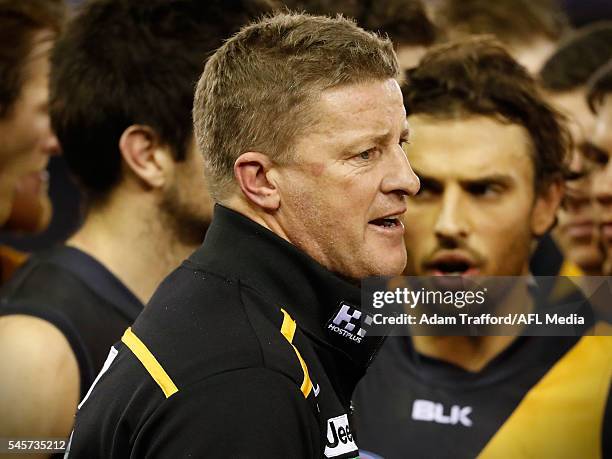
<point x="348" y="323"/>
<point x="339" y="437"/>
<point x="425" y="410"/>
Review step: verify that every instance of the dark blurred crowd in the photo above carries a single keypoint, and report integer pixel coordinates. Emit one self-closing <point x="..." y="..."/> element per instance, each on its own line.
<point x="68" y="215"/>
<point x="102" y="195"/>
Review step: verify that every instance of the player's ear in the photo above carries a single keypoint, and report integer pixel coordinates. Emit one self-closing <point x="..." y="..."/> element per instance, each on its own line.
<point x="145" y="156"/>
<point x="252" y="171"/>
<point x="543" y="216"/>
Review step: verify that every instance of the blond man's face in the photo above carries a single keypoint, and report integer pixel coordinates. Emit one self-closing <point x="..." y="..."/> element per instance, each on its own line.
<point x="343" y="194"/>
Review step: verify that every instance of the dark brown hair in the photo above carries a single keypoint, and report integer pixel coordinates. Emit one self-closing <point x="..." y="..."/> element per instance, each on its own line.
<point x="599" y="86"/>
<point x="125" y="62"/>
<point x="510" y="21"/>
<point x="19" y="21"/>
<point x="477" y="76"/>
<point x="578" y="57"/>
<point x="405" y="21"/>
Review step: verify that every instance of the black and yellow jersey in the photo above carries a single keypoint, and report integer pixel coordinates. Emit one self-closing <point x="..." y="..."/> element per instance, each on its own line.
<point x="548" y="260"/>
<point x="249" y="349"/>
<point x="543" y="397"/>
<point x="77" y="294"/>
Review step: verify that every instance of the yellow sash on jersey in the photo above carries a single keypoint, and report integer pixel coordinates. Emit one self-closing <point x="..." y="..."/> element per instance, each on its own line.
<point x="561" y="417"/>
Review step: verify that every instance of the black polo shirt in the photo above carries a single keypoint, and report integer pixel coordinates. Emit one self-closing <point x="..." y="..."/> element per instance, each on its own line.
<point x="84" y="300"/>
<point x="249" y="349"/>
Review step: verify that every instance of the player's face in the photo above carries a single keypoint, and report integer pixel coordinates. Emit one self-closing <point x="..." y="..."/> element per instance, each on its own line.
<point x="475" y="210"/>
<point x="344" y="191"/>
<point x="602" y="177"/>
<point x="187" y="207"/>
<point x="27" y="139"/>
<point x="576" y="231"/>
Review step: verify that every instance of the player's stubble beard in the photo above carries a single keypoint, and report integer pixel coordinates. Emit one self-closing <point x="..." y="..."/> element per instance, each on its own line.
<point x="184" y="219"/>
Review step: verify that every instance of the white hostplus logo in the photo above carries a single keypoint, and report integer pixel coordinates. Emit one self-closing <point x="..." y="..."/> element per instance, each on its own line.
<point x="425" y="410"/>
<point x="348" y="323"/>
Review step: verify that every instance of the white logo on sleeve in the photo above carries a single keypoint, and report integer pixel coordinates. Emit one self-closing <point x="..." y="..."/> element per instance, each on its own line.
<point x="428" y="411"/>
<point x="339" y="437"/>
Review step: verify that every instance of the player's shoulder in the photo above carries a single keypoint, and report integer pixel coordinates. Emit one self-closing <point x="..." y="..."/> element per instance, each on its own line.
<point x="200" y="323"/>
<point x="31" y="339"/>
<point x="39" y="368"/>
<point x="38" y="270"/>
<point x="61" y="281"/>
<point x="212" y="416"/>
<point x="198" y="330"/>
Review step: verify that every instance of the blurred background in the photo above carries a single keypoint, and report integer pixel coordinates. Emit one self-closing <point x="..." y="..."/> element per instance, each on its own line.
<point x="65" y="195"/>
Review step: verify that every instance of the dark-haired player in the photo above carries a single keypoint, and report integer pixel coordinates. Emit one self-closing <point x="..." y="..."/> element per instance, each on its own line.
<point x="491" y="156"/>
<point x="122" y="86"/>
<point x="600" y="100"/>
<point x="27" y="32"/>
<point x="564" y="76"/>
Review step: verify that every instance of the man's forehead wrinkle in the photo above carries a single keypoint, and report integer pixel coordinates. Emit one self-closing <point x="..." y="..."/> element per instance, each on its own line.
<point x="361" y="99"/>
<point x="349" y="115"/>
<point x="357" y="107"/>
<point x="353" y="124"/>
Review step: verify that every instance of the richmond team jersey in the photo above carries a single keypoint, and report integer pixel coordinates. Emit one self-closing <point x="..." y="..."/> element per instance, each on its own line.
<point x="77" y="294"/>
<point x="543" y="397"/>
<point x="249" y="349"/>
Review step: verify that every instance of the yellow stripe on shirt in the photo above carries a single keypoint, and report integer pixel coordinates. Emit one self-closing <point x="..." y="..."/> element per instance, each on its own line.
<point x="150" y="363"/>
<point x="288" y="331"/>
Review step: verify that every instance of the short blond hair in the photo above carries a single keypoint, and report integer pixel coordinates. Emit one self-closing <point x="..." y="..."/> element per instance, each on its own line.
<point x="257" y="89"/>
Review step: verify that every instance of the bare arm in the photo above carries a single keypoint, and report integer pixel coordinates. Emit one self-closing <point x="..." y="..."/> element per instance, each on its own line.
<point x="39" y="380"/>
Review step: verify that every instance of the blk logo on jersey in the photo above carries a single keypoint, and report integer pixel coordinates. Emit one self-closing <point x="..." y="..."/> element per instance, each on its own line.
<point x="426" y="410"/>
<point x="339" y="437"/>
<point x="350" y="322"/>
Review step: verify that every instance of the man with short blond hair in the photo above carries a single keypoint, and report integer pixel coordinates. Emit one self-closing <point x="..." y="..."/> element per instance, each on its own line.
<point x="121" y="107"/>
<point x="253" y="346"/>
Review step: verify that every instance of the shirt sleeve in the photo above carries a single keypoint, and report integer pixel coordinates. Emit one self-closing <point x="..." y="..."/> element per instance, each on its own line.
<point x="250" y="413"/>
